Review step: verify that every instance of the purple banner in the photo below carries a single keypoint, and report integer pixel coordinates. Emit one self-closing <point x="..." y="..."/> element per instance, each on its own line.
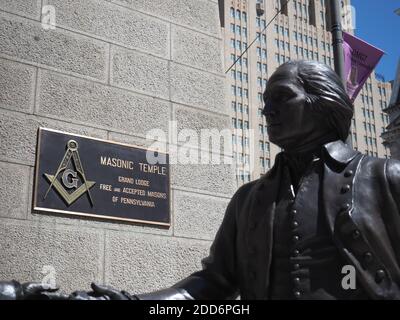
<point x="360" y="59"/>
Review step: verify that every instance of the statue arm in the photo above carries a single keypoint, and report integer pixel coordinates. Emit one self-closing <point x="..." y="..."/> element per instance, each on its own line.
<point x="217" y="279"/>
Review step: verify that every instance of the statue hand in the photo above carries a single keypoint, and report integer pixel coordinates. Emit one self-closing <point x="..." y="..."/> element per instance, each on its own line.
<point x="111" y="293"/>
<point x="83" y="295"/>
<point x="13" y="290"/>
<point x="10" y="290"/>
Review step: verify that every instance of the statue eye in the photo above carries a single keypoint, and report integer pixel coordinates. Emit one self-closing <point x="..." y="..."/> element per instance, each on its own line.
<point x="284" y="95"/>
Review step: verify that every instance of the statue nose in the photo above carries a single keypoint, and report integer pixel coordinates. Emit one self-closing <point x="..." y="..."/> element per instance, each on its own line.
<point x="270" y="114"/>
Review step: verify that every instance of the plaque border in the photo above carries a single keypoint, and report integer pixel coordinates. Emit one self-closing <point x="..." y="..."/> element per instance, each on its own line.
<point x="85" y="214"/>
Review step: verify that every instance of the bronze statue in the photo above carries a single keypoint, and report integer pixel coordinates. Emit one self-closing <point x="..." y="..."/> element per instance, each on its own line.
<point x="322" y="209"/>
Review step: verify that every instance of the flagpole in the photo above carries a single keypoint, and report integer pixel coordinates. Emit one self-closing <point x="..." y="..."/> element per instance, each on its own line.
<point x="337" y="39"/>
<point x="337" y="45"/>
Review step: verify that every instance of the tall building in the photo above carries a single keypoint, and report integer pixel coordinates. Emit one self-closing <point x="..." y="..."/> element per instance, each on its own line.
<point x="300" y="31"/>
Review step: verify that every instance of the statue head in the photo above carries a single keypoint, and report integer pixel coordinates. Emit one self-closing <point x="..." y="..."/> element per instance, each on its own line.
<point x="306" y="103"/>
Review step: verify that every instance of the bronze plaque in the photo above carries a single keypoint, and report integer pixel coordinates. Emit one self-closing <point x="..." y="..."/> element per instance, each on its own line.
<point x="92" y="177"/>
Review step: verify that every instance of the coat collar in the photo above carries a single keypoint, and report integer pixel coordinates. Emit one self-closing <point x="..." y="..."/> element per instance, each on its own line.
<point x="336" y="150"/>
<point x="340" y="152"/>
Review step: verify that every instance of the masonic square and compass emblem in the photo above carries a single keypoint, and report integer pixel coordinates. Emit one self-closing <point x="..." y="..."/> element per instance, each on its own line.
<point x="70" y="180"/>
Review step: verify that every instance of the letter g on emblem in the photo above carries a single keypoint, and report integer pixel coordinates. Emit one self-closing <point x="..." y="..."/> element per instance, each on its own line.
<point x="70" y="183"/>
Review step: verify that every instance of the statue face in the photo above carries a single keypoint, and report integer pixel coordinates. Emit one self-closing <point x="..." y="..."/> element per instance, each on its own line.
<point x="290" y="121"/>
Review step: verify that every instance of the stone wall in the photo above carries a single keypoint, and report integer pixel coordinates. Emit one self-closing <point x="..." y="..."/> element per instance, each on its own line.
<point x="113" y="70"/>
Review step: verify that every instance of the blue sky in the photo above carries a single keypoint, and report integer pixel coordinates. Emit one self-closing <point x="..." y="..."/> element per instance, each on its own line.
<point x="377" y="24"/>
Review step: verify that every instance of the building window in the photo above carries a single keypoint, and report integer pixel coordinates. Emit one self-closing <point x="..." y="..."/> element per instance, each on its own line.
<point x="233" y="74"/>
<point x="234" y="123"/>
<point x="232" y="12"/>
<point x="233" y="104"/>
<point x="238" y="30"/>
<point x="258" y="22"/>
<point x="264" y="39"/>
<point x="233" y="27"/>
<point x="238" y="14"/>
<point x="261" y="145"/>
<point x="245" y="77"/>
<point x="246" y="93"/>
<point x="264" y="68"/>
<point x="233" y="90"/>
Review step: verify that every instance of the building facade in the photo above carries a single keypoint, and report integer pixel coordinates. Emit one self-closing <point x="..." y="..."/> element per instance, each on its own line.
<point x="301" y="31"/>
<point x="392" y="134"/>
<point x="112" y="70"/>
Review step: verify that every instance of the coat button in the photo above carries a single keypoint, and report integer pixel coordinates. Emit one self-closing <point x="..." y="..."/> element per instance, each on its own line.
<point x="295" y="224"/>
<point x="368" y="257"/>
<point x="345" y="188"/>
<point x="296" y="281"/>
<point x="297" y="294"/>
<point x="379" y="275"/>
<point x="296" y="266"/>
<point x="345" y="207"/>
<point x="356" y="234"/>
<point x="296" y="238"/>
<point x="348" y="173"/>
<point x="296" y="252"/>
<point x="293" y="211"/>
